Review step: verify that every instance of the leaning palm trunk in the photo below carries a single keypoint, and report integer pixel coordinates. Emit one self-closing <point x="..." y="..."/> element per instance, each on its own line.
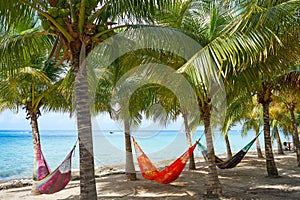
<point x="265" y="100"/>
<point x="84" y="125"/>
<point x="258" y="148"/>
<point x="213" y="183"/>
<point x="295" y="134"/>
<point x="271" y="166"/>
<point x="129" y="168"/>
<point x="228" y="148"/>
<point x="192" y="164"/>
<point x="36" y="141"/>
<point x="279" y="144"/>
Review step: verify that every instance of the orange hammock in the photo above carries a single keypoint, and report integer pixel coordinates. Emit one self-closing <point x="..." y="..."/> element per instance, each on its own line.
<point x="169" y="174"/>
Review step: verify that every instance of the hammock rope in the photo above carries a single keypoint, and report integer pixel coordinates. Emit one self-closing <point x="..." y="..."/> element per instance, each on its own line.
<point x="51" y="182"/>
<point x="233" y="161"/>
<point x="171" y="173"/>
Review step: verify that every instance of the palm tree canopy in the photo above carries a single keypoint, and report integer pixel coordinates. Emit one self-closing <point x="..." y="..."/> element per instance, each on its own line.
<point x="238" y="33"/>
<point x="93" y="19"/>
<point x="33" y="88"/>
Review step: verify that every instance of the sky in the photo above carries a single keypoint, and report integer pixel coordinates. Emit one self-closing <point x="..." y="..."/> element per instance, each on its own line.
<point x="59" y="121"/>
<point x="48" y="121"/>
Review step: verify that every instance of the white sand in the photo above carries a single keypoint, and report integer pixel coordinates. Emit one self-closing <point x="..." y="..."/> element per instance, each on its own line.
<point x="246" y="181"/>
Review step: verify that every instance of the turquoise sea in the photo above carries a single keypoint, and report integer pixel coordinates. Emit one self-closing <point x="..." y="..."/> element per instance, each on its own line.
<point x="16" y="149"/>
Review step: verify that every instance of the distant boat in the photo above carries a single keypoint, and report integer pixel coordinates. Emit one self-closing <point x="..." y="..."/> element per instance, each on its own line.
<point x="111" y="132"/>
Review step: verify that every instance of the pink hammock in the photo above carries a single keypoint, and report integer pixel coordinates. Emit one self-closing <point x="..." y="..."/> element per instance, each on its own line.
<point x="51" y="182"/>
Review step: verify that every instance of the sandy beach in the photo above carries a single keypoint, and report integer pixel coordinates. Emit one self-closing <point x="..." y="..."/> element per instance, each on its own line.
<point x="246" y="181"/>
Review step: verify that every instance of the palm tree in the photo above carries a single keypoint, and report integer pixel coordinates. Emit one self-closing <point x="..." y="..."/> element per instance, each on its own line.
<point x="277" y="59"/>
<point x="242" y="108"/>
<point x="264" y="88"/>
<point x="33" y="89"/>
<point x="289" y="95"/>
<point x="34" y="85"/>
<point x="233" y="114"/>
<point x="170" y="103"/>
<point x="192" y="164"/>
<point x="214" y="26"/>
<point x="283" y="120"/>
<point x="103" y="103"/>
<point x="220" y="34"/>
<point x="129" y="168"/>
<point x="140" y="101"/>
<point x="280" y="61"/>
<point x="275" y="132"/>
<point x="295" y="134"/>
<point x="276" y="113"/>
<point x="252" y="120"/>
<point x="77" y="26"/>
<point x="144" y="100"/>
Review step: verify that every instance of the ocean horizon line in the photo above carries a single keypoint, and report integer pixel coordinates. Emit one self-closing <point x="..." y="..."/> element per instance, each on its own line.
<point x="114" y="130"/>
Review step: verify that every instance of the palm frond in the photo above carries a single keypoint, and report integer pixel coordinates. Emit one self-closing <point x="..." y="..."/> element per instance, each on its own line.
<point x="17" y="48"/>
<point x="136" y="10"/>
<point x="14" y="13"/>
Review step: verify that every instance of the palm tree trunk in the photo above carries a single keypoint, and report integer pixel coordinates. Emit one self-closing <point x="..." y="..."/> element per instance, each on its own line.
<point x="36" y="141"/>
<point x="228" y="148"/>
<point x="129" y="168"/>
<point x="258" y="148"/>
<point x="84" y="125"/>
<point x="213" y="187"/>
<point x="192" y="164"/>
<point x="295" y="134"/>
<point x="279" y="144"/>
<point x="270" y="162"/>
<point x="264" y="98"/>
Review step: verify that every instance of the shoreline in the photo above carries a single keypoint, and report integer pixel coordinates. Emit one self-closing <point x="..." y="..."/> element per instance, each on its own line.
<point x="104" y="170"/>
<point x="120" y="168"/>
<point x="112" y="170"/>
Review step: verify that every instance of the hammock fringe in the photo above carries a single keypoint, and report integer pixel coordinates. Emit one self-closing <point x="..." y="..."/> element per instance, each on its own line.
<point x="51" y="182"/>
<point x="169" y="174"/>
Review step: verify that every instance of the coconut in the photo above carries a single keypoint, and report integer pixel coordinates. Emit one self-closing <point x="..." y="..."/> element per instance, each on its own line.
<point x="104" y="36"/>
<point x="52" y="3"/>
<point x="45" y="24"/>
<point x="63" y="4"/>
<point x="101" y="28"/>
<point x="53" y="11"/>
<point x="63" y="12"/>
<point x="60" y="21"/>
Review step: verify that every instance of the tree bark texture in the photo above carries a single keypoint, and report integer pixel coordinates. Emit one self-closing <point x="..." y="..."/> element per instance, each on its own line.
<point x="36" y="141"/>
<point x="213" y="187"/>
<point x="270" y="162"/>
<point x="228" y="148"/>
<point x="129" y="167"/>
<point x="296" y="141"/>
<point x="84" y="125"/>
<point x="192" y="164"/>
<point x="258" y="148"/>
<point x="279" y="143"/>
<point x="264" y="98"/>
